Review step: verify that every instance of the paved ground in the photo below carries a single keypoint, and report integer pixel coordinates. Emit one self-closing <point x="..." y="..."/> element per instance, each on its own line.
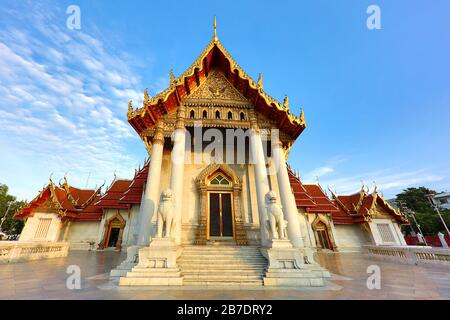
<point x="46" y="279"/>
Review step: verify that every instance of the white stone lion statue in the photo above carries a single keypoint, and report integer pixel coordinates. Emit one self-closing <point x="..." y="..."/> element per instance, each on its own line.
<point x="165" y="214"/>
<point x="276" y="220"/>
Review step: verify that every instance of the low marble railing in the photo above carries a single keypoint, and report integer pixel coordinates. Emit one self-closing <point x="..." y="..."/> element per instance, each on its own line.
<point x="14" y="251"/>
<point x="411" y="254"/>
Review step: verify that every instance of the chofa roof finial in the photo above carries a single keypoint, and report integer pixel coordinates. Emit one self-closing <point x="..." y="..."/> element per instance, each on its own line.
<point x="286" y="102"/>
<point x="172" y="78"/>
<point x="302" y="115"/>
<point x="215" y="29"/>
<point x="146" y="96"/>
<point x="260" y="83"/>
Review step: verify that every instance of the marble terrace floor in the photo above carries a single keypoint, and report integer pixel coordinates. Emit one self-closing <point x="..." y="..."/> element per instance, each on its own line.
<point x="46" y="279"/>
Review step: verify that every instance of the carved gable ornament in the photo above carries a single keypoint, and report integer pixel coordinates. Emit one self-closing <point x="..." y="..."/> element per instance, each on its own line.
<point x="216" y="88"/>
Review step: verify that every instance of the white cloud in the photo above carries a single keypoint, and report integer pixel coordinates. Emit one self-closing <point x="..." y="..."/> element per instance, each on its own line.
<point x="63" y="100"/>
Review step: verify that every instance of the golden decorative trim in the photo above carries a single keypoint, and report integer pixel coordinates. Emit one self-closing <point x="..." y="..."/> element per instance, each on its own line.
<point x="234" y="66"/>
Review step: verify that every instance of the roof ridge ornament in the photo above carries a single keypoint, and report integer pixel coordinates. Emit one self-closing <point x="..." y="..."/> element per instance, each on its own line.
<point x="172" y="78"/>
<point x="260" y="83"/>
<point x="146" y="96"/>
<point x="215" y="29"/>
<point x="302" y="115"/>
<point x="286" y="102"/>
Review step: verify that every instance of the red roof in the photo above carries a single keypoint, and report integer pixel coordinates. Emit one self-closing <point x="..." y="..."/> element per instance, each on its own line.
<point x="69" y="202"/>
<point x="302" y="199"/>
<point x="356" y="208"/>
<point x="323" y="203"/>
<point x="216" y="57"/>
<point x="112" y="196"/>
<point x="133" y="193"/>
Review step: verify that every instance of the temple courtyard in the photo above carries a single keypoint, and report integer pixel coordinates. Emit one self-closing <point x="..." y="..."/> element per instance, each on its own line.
<point x="46" y="279"/>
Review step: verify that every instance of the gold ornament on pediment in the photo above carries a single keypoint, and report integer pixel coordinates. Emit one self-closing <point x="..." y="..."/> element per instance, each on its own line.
<point x="216" y="87"/>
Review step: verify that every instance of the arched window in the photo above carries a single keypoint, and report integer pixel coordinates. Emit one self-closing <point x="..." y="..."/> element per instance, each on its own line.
<point x="220" y="180"/>
<point x="205" y="114"/>
<point x="217" y="114"/>
<point x="242" y="116"/>
<point x="192" y="114"/>
<point x="230" y="115"/>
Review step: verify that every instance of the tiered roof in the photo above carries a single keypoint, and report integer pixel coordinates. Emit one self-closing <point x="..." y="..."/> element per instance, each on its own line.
<point x="310" y="196"/>
<point x="214" y="57"/>
<point x="112" y="196"/>
<point x="69" y="202"/>
<point x="133" y="193"/>
<point x="357" y="208"/>
<point x="323" y="203"/>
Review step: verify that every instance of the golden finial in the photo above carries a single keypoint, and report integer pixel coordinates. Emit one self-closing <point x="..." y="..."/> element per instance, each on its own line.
<point x="130" y="106"/>
<point x="302" y="115"/>
<point x="146" y="96"/>
<point x="172" y="78"/>
<point x="375" y="189"/>
<point x="286" y="102"/>
<point x="260" y="83"/>
<point x="215" y="29"/>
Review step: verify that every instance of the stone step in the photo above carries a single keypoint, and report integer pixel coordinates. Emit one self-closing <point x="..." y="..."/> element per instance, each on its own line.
<point x="197" y="266"/>
<point x="229" y="252"/>
<point x="248" y="272"/>
<point x="223" y="283"/>
<point x="222" y="265"/>
<point x="219" y="257"/>
<point x="222" y="260"/>
<point x="222" y="247"/>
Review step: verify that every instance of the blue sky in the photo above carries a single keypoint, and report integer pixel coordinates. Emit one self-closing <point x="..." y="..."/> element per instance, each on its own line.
<point x="377" y="102"/>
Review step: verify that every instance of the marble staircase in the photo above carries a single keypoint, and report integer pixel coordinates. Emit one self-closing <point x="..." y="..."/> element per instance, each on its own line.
<point x="222" y="265"/>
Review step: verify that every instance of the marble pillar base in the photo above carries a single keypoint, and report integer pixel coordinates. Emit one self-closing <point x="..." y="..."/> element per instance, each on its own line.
<point x="129" y="263"/>
<point x="287" y="267"/>
<point x="157" y="265"/>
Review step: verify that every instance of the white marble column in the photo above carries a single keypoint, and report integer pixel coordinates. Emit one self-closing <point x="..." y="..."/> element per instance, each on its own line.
<point x="262" y="182"/>
<point x="152" y="188"/>
<point x="286" y="195"/>
<point x="177" y="174"/>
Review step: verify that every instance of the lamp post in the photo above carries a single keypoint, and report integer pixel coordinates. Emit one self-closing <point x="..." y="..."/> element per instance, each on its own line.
<point x="436" y="208"/>
<point x="5" y="215"/>
<point x="411" y="213"/>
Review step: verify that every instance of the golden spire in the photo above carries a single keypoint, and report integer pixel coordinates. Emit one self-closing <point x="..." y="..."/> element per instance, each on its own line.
<point x="302" y="115"/>
<point x="130" y="109"/>
<point x="260" y="83"/>
<point x="172" y="78"/>
<point x="286" y="102"/>
<point x="146" y="96"/>
<point x="215" y="29"/>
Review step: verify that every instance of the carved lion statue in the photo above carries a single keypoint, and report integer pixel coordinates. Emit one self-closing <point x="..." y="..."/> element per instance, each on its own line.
<point x="276" y="220"/>
<point x="165" y="214"/>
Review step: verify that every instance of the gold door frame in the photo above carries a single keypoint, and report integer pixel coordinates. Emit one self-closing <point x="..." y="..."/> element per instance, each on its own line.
<point x="204" y="189"/>
<point x="220" y="191"/>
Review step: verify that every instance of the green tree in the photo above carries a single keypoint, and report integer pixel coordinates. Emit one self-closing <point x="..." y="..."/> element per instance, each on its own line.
<point x="416" y="200"/>
<point x="10" y="225"/>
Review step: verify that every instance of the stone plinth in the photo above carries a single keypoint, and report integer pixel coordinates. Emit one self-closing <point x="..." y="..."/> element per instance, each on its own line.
<point x="287" y="267"/>
<point x="157" y="266"/>
<point x="129" y="263"/>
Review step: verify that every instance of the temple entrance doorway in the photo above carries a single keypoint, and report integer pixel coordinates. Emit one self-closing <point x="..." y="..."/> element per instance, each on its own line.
<point x="113" y="237"/>
<point x="322" y="236"/>
<point x="220" y="215"/>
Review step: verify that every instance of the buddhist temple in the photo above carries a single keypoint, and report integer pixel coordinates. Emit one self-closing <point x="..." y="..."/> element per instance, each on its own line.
<point x="217" y="201"/>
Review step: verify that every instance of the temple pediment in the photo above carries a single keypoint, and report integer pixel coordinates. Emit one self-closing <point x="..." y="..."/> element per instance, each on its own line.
<point x="215" y="79"/>
<point x="216" y="90"/>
